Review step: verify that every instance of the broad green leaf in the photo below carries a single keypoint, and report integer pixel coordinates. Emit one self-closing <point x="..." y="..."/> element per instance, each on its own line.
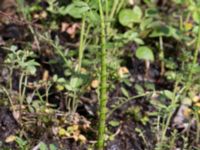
<point x="75" y="82"/>
<point x="94" y="4"/>
<point x="138" y="13"/>
<point x="93" y="17"/>
<point x="161" y="31"/>
<point x="129" y="16"/>
<point x="76" y="9"/>
<point x="144" y="53"/>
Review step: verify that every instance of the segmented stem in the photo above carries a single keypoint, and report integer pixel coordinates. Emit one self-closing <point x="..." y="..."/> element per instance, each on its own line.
<point x="103" y="88"/>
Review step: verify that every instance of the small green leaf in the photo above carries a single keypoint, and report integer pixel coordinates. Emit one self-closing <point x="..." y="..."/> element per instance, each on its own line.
<point x="114" y="123"/>
<point x="138" y="13"/>
<point x="52" y="147"/>
<point x="170" y="75"/>
<point x="144" y="53"/>
<point x="151" y="12"/>
<point x="43" y="146"/>
<point x="145" y="23"/>
<point x="13" y="48"/>
<point x="55" y="78"/>
<point x="129" y="16"/>
<point x="31" y="69"/>
<point x="75" y="82"/>
<point x="61" y="80"/>
<point x="169" y="94"/>
<point x="124" y="92"/>
<point x="139" y="89"/>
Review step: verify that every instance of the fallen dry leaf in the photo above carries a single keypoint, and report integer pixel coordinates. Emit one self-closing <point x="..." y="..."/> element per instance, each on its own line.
<point x="122" y="71"/>
<point x="7" y="10"/>
<point x="131" y="2"/>
<point x="16" y="115"/>
<point x="197" y="104"/>
<point x="195" y="99"/>
<point x="182" y="117"/>
<point x="82" y="138"/>
<point x="43" y="14"/>
<point x="10" y="139"/>
<point x="83" y="70"/>
<point x="70" y="29"/>
<point x="45" y="75"/>
<point x="64" y="26"/>
<point x="95" y="83"/>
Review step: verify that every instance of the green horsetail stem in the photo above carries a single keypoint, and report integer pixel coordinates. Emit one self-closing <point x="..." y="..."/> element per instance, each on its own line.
<point x="103" y="87"/>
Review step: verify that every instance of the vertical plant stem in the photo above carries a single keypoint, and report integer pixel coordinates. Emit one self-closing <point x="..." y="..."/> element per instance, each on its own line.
<point x="74" y="102"/>
<point x="170" y="115"/>
<point x="87" y="31"/>
<point x="47" y="91"/>
<point x="195" y="55"/>
<point x="20" y="88"/>
<point x="107" y="10"/>
<point x="198" y="127"/>
<point x="21" y="96"/>
<point x="103" y="88"/>
<point x="8" y="95"/>
<point x="161" y="55"/>
<point x="10" y="80"/>
<point x="181" y="23"/>
<point x="121" y="4"/>
<point x="116" y="2"/>
<point x="110" y="17"/>
<point x="81" y="46"/>
<point x="24" y="87"/>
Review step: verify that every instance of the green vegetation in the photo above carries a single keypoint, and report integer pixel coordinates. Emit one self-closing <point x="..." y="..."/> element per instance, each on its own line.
<point x="99" y="74"/>
<point x="103" y="87"/>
